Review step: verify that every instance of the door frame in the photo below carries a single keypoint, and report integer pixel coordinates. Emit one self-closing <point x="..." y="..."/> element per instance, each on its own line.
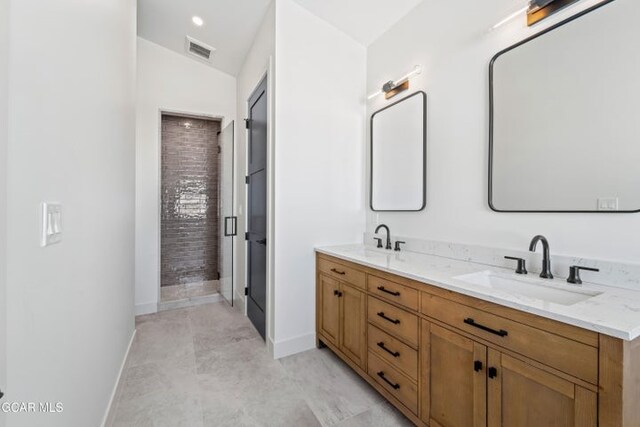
<point x="175" y="113"/>
<point x="267" y="75"/>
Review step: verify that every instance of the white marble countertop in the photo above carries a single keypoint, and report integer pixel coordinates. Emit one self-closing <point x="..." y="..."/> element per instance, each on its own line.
<point x="613" y="311"/>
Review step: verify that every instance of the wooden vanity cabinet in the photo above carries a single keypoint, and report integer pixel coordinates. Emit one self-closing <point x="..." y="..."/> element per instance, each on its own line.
<point x="448" y="360"/>
<point x="454" y="380"/>
<point x="519" y="394"/>
<point x="341" y="317"/>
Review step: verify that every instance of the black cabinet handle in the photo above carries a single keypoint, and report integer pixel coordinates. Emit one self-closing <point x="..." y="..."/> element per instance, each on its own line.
<point x="493" y="372"/>
<point x="477" y="366"/>
<point x="393" y="353"/>
<point x="501" y="332"/>
<point x="382" y="289"/>
<point x="342" y="273"/>
<point x="395" y="386"/>
<point x="335" y="293"/>
<point x="388" y="319"/>
<point x="262" y="242"/>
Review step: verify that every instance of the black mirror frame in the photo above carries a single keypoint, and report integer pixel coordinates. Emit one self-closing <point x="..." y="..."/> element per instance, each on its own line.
<point x="491" y="114"/>
<point x="424" y="153"/>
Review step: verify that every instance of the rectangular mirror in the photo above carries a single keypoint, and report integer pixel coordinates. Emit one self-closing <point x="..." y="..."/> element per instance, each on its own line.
<point x="398" y="155"/>
<point x="565" y="116"/>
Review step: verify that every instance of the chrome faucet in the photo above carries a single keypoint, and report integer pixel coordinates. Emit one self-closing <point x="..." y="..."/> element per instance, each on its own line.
<point x="388" y="236"/>
<point x="546" y="259"/>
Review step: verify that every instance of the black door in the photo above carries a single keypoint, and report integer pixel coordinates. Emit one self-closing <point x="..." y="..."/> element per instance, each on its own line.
<point x="257" y="208"/>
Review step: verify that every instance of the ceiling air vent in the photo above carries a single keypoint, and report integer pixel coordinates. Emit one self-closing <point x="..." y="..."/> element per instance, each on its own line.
<point x="198" y="49"/>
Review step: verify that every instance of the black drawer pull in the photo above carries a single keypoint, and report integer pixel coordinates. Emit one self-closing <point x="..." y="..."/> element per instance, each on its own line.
<point x="382" y="289"/>
<point x="388" y="319"/>
<point x="501" y="332"/>
<point x="393" y="353"/>
<point x="395" y="386"/>
<point x="342" y="273"/>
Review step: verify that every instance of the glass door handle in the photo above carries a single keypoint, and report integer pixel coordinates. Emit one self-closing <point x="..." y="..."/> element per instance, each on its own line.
<point x="234" y="226"/>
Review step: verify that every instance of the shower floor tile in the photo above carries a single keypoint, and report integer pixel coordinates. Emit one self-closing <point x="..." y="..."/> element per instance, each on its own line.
<point x="190" y="290"/>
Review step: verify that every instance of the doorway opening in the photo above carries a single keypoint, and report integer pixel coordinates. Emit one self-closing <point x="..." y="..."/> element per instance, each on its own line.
<point x="196" y="238"/>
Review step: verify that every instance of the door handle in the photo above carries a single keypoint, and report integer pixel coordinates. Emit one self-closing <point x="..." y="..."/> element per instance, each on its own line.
<point x="477" y="366"/>
<point x="493" y="372"/>
<point x="262" y="242"/>
<point x="234" y="226"/>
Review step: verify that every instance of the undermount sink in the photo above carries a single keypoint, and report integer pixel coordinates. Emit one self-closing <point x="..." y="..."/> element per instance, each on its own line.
<point x="529" y="288"/>
<point x="370" y="253"/>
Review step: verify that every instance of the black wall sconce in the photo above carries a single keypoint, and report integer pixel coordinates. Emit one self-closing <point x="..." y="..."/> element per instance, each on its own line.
<point x="394" y="87"/>
<point x="537" y="10"/>
<point x="542" y="9"/>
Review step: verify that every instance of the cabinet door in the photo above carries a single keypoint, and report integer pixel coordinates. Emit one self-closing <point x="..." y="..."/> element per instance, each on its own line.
<point x="329" y="307"/>
<point x="525" y="396"/>
<point x="454" y="381"/>
<point x="353" y="323"/>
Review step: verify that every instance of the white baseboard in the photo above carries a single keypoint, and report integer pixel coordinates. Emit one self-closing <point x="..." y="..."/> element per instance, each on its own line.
<point x="148" y="308"/>
<point x="105" y="418"/>
<point x="291" y="346"/>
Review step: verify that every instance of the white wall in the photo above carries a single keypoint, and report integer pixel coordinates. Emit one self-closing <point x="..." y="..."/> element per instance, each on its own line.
<point x="167" y="81"/>
<point x="452" y="42"/>
<point x="71" y="139"/>
<point x="254" y="68"/>
<point x="319" y="160"/>
<point x="4" y="94"/>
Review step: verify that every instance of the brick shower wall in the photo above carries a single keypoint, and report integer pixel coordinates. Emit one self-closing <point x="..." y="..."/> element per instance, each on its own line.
<point x="189" y="183"/>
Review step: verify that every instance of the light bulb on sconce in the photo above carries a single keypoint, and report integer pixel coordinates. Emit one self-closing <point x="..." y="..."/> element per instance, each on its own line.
<point x="511" y="17"/>
<point x="394" y="87"/>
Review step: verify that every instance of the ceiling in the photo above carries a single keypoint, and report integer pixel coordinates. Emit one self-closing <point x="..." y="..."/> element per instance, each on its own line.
<point x="363" y="20"/>
<point x="229" y="26"/>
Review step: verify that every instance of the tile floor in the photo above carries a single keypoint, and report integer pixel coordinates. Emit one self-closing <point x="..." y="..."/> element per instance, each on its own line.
<point x="207" y="366"/>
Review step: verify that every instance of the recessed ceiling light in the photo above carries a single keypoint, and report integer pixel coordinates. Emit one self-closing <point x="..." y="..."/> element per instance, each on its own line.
<point x="198" y="21"/>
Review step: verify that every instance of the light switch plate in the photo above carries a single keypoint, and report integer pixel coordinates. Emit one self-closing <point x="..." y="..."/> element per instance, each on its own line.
<point x="51" y="224"/>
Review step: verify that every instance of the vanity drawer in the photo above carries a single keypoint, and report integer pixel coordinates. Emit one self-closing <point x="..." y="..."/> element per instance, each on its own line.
<point x="342" y="272"/>
<point x="395" y="292"/>
<point x="396" y="321"/>
<point x="564" y="354"/>
<point x="394" y="352"/>
<point x="396" y="383"/>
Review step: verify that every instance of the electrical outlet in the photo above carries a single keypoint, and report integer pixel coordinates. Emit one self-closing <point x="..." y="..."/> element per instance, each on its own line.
<point x="608" y="204"/>
<point x="51" y="225"/>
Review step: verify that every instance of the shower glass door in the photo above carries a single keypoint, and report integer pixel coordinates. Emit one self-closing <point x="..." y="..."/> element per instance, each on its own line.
<point x="228" y="223"/>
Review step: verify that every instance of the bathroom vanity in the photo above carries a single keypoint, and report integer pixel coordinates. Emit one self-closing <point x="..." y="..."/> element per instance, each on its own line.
<point x="448" y="343"/>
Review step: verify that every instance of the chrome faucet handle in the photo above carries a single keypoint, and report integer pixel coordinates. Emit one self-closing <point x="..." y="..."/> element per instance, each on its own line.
<point x="522" y="264"/>
<point x="574" y="274"/>
<point x="379" y="241"/>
